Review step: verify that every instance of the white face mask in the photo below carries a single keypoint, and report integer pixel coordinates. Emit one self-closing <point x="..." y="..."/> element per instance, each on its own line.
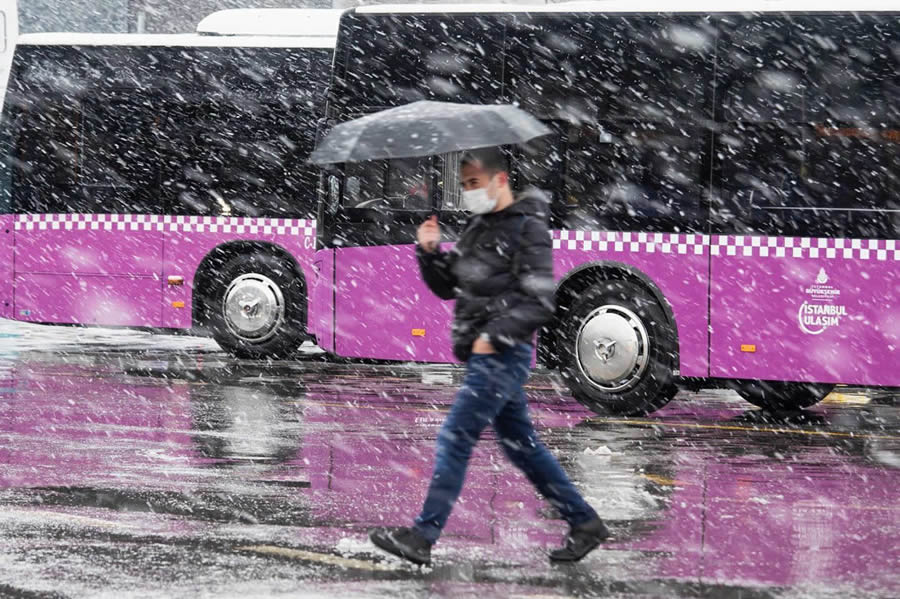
<point x="478" y="201"/>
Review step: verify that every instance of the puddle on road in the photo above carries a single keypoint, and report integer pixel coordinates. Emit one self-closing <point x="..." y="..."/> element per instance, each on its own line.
<point x="300" y="455"/>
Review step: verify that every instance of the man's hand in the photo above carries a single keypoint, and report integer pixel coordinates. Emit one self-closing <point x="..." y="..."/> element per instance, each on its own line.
<point x="429" y="234"/>
<point x="483" y="346"/>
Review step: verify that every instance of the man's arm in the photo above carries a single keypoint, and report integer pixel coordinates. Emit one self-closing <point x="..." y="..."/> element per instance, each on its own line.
<point x="437" y="271"/>
<point x="536" y="288"/>
<point x="436" y="266"/>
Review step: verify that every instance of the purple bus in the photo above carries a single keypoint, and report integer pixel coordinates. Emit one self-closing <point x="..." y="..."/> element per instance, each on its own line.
<point x="724" y="183"/>
<point x="162" y="181"/>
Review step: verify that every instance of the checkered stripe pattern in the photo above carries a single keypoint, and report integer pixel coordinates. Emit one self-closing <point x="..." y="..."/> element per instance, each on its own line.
<point x="613" y="241"/>
<point x="805" y="247"/>
<point x="728" y="245"/>
<point x="168" y="223"/>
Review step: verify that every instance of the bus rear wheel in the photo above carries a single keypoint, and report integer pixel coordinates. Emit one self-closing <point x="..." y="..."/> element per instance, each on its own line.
<point x="775" y="396"/>
<point x="257" y="308"/>
<point x="617" y="350"/>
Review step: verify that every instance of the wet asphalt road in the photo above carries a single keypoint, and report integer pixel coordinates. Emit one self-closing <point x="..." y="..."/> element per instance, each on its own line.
<point x="134" y="465"/>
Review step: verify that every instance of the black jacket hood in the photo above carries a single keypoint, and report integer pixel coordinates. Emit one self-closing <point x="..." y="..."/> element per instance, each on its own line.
<point x="531" y="201"/>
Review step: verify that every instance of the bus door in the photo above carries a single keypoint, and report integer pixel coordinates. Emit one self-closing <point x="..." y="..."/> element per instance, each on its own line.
<point x="88" y="230"/>
<point x="6" y="262"/>
<point x="382" y="308"/>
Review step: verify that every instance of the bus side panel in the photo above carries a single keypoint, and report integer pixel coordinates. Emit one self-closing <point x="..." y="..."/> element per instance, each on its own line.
<point x="320" y="311"/>
<point x="815" y="310"/>
<point x="384" y="310"/>
<point x="88" y="244"/>
<point x="189" y="239"/>
<point x="88" y="299"/>
<point x="7" y="250"/>
<point x="100" y="269"/>
<point x="676" y="263"/>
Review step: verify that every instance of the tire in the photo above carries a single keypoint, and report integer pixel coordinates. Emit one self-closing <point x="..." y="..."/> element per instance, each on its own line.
<point x="256" y="307"/>
<point x="774" y="396"/>
<point x="618" y="315"/>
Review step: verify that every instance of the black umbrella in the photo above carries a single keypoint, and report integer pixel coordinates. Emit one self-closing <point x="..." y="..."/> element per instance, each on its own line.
<point x="426" y="128"/>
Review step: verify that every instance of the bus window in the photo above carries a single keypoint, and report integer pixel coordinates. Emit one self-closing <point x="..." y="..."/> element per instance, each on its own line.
<point x="119" y="167"/>
<point x="237" y="137"/>
<point x="415" y="57"/>
<point x="630" y="176"/>
<point x="539" y="163"/>
<point x="44" y="157"/>
<point x="632" y="99"/>
<point x="451" y="190"/>
<point x="761" y="81"/>
<point x="810" y="144"/>
<point x="389" y="185"/>
<point x="87" y="157"/>
<point x="576" y="69"/>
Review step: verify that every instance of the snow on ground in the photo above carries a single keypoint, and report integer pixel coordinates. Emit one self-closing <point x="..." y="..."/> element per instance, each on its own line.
<point x="24" y="336"/>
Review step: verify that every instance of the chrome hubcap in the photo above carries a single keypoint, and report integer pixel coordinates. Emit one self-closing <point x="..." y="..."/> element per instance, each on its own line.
<point x="612" y="348"/>
<point x="253" y="307"/>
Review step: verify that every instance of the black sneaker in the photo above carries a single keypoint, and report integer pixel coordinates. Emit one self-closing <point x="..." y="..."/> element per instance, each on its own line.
<point x="407" y="543"/>
<point x="580" y="541"/>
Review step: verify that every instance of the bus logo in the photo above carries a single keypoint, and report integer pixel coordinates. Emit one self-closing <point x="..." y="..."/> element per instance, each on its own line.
<point x="820" y="311"/>
<point x="816" y="318"/>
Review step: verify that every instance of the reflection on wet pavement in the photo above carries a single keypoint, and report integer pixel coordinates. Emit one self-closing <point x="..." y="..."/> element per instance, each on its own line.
<point x="136" y="468"/>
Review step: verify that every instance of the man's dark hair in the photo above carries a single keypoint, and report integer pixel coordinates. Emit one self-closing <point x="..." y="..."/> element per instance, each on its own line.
<point x="491" y="159"/>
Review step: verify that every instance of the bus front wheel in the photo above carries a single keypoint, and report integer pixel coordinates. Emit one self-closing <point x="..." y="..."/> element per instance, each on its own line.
<point x="257" y="307"/>
<point x="776" y="396"/>
<point x="617" y="350"/>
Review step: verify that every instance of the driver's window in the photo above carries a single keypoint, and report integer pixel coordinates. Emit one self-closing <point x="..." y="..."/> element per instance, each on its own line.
<point x="393" y="185"/>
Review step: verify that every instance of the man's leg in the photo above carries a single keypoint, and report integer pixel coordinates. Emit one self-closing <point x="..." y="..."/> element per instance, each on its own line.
<point x="474" y="408"/>
<point x="517" y="436"/>
<point x="520" y="442"/>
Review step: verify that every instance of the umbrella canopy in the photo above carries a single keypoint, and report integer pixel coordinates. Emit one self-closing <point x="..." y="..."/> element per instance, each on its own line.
<point x="426" y="128"/>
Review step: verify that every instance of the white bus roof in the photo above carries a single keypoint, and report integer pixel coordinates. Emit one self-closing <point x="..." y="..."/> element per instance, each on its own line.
<point x="308" y="22"/>
<point x="646" y="6"/>
<point x="179" y="39"/>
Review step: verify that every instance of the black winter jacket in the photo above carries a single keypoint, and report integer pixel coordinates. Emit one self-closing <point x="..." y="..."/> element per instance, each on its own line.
<point x="500" y="273"/>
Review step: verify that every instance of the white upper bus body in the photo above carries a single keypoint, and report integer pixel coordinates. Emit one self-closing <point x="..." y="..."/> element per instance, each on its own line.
<point x="295" y="22"/>
<point x="645" y="6"/>
<point x="261" y="28"/>
<point x="177" y="39"/>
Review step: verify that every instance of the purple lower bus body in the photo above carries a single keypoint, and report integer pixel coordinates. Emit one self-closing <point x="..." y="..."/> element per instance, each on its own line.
<point x="844" y="329"/>
<point x="772" y="308"/>
<point x="115" y="269"/>
<point x="744" y="307"/>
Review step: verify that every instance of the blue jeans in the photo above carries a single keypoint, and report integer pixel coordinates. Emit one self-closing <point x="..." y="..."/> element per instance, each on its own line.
<point x="492" y="394"/>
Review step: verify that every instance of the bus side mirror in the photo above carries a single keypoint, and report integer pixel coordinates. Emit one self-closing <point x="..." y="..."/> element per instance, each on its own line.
<point x="334" y="193"/>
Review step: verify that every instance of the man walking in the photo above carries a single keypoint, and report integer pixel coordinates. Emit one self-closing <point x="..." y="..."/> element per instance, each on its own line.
<point x="501" y="275"/>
